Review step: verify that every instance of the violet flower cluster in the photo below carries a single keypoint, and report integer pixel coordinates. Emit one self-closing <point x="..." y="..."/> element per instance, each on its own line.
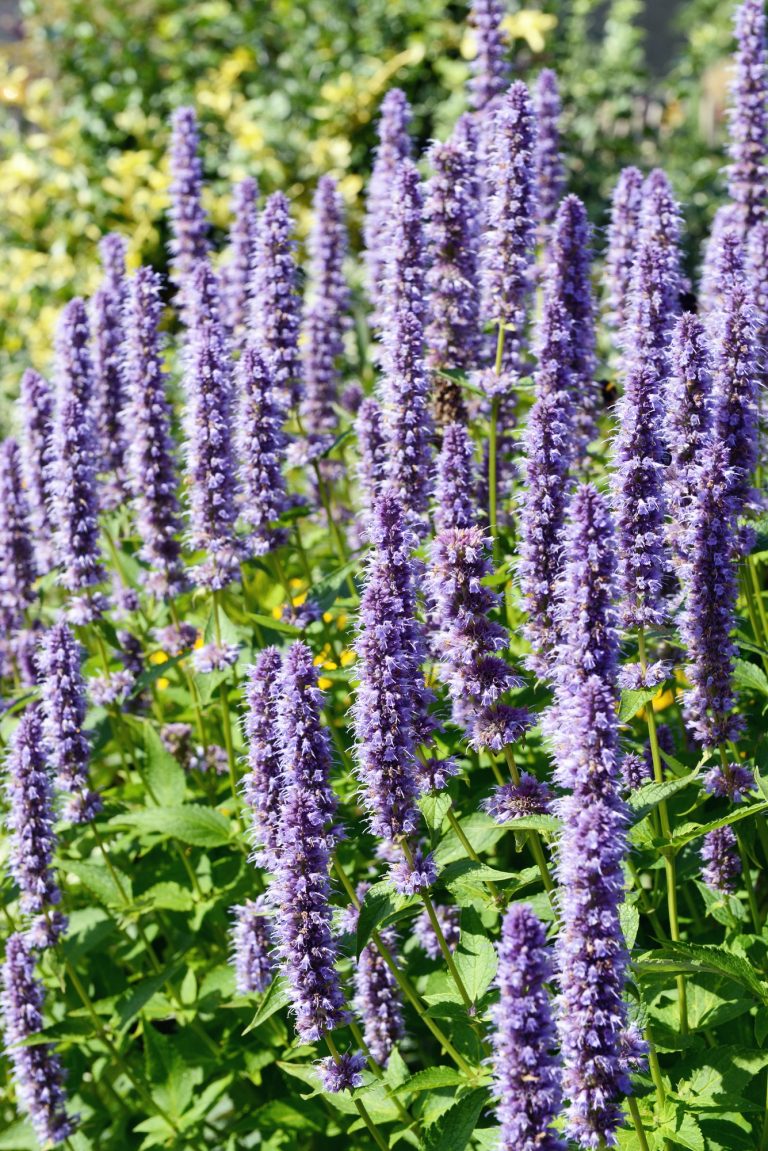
<point x="251" y="947"/>
<point x="490" y="68"/>
<point x="261" y="450"/>
<point x="275" y="306"/>
<point x="550" y="171"/>
<point x="189" y="224"/>
<point x="748" y="126"/>
<point x="455" y="505"/>
<point x="687" y="417"/>
<point x="35" y="409"/>
<point x="109" y="390"/>
<point x="623" y="231"/>
<point x="394" y="147"/>
<point x="17" y="560"/>
<point x="30" y="817"/>
<point x="263" y="780"/>
<point x="239" y="269"/>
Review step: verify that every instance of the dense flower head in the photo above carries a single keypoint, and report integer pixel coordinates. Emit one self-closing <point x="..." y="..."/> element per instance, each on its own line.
<point x="623" y="235"/>
<point x="152" y="478"/>
<point x="109" y="392"/>
<point x="251" y="947"/>
<point x="369" y="429"/>
<point x="238" y="271"/>
<point x="326" y="316"/>
<point x="496" y="726"/>
<point x="394" y="147"/>
<point x="189" y="224"/>
<point x="35" y="410"/>
<point x="722" y="268"/>
<point x="377" y="1000"/>
<point x="30" y="818"/>
<point x="721" y="861"/>
<point x="757" y="273"/>
<point x="526" y="1072"/>
<point x="639" y="676"/>
<point x="73" y="454"/>
<point x="405" y="380"/>
<point x="305" y="745"/>
<point x="733" y="781"/>
<point x="37" y="1073"/>
<point x="550" y="171"/>
<point x="215" y="657"/>
<point x="342" y="1074"/>
<point x="531" y="796"/>
<point x="635" y="770"/>
<point x="410" y="876"/>
<point x="17" y="560"/>
<point x="490" y="68"/>
<point x="209" y="436"/>
<point x="275" y="313"/>
<point x="747" y="173"/>
<point x="261" y="784"/>
<point x="262" y="444"/>
<point x="455" y="503"/>
<point x="449" y="922"/>
<point x="687" y="414"/>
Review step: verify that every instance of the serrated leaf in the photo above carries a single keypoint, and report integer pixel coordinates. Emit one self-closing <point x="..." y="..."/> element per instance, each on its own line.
<point x="547" y="824"/>
<point x="275" y="999"/>
<point x="476" y="961"/>
<point x="677" y="958"/>
<point x="647" y="798"/>
<point x="749" y="675"/>
<point x="435" y="807"/>
<point x="165" y="778"/>
<point x="629" y="918"/>
<point x="379" y="902"/>
<point x="633" y="701"/>
<point x="136" y="999"/>
<point x="453" y="1130"/>
<point x="168" y="896"/>
<point x="430" y="1079"/>
<point x="198" y="826"/>
<point x="99" y="880"/>
<point x="683" y="1131"/>
<point x="690" y="831"/>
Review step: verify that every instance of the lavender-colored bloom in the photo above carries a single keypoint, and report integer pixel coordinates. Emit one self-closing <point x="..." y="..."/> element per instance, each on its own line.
<point x="275" y="314"/>
<point x="453" y="330"/>
<point x="251" y="947"/>
<point x="405" y="382"/>
<point x="716" y="267"/>
<point x="377" y="1000"/>
<point x="210" y="464"/>
<point x="37" y="1073"/>
<point x="409" y="878"/>
<point x="238" y="271"/>
<point x="64" y="709"/>
<point x="757" y="273"/>
<point x="305" y="745"/>
<point x="261" y="450"/>
<point x="526" y="1072"/>
<point x="176" y="638"/>
<point x="261" y="784"/>
<point x="455" y="481"/>
<point x="708" y="575"/>
<point x="394" y="147"/>
<point x="640" y="677"/>
<point x="112" y="687"/>
<point x="215" y="657"/>
<point x="17" y="562"/>
<point x="722" y="863"/>
<point x="496" y="726"/>
<point x="30" y="819"/>
<point x="747" y="173"/>
<point x="733" y="781"/>
<point x="35" y="408"/>
<point x="550" y="171"/>
<point x="510" y="230"/>
<point x="449" y="920"/>
<point x="369" y="428"/>
<point x="189" y="224"/>
<point x="71" y="465"/>
<point x="623" y="234"/>
<point x="490" y="68"/>
<point x="343" y="1074"/>
<point x="635" y="771"/>
<point x="326" y="315"/>
<point x="531" y="796"/>
<point x="433" y="774"/>
<point x="109" y="394"/>
<point x="687" y="415"/>
<point x="149" y="455"/>
<point x="547" y="446"/>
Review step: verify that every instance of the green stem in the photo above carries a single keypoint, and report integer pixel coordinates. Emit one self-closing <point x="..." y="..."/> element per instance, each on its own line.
<point x="362" y="1110"/>
<point x="746" y="871"/>
<point x="752" y="568"/>
<point x="226" y="722"/>
<point x="405" y="1116"/>
<point x="533" y="838"/>
<point x="469" y="848"/>
<point x="634" y="1111"/>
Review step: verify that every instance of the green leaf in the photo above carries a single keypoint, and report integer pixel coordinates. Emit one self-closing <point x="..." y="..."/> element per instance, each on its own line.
<point x="547" y="824"/>
<point x="99" y="880"/>
<point x="633" y="701"/>
<point x="648" y="797"/>
<point x="380" y="902"/>
<point x="164" y="775"/>
<point x="683" y="1130"/>
<point x="472" y="869"/>
<point x="629" y="918"/>
<point x="677" y="958"/>
<point x="453" y="1130"/>
<point x="136" y="999"/>
<point x="749" y="675"/>
<point x="19" y="1137"/>
<point x="435" y="807"/>
<point x="168" y="896"/>
<point x="173" y="1081"/>
<point x="198" y="826"/>
<point x="690" y="831"/>
<point x="430" y="1079"/>
<point x="269" y="621"/>
<point x="275" y="999"/>
<point x="476" y="961"/>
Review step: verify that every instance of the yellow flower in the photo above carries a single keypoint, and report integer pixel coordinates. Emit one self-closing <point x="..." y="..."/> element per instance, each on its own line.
<point x="163" y="683"/>
<point x="347" y="657"/>
<point x="158" y="657"/>
<point x="531" y="26"/>
<point x="324" y="683"/>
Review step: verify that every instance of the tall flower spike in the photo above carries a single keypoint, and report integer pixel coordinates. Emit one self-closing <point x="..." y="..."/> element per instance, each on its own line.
<point x="510" y="226"/>
<point x="687" y="418"/>
<point x="722" y="864"/>
<point x="747" y="174"/>
<point x="369" y="428"/>
<point x="35" y="409"/>
<point x="405" y="382"/>
<point x="251" y="947"/>
<point x="30" y="819"/>
<point x="550" y="171"/>
<point x="547" y="445"/>
<point x="394" y="147"/>
<point x="301" y="887"/>
<point x="490" y="68"/>
<point x="189" y="224"/>
<point x="152" y="475"/>
<point x="71" y="466"/>
<point x="453" y="330"/>
<point x="326" y="316"/>
<point x="262" y="782"/>
<point x="261" y="450"/>
<point x="378" y="1000"/>
<point x="526" y="1073"/>
<point x="64" y="710"/>
<point x="455" y="481"/>
<point x="209" y="434"/>
<point x="709" y="579"/>
<point x="569" y="278"/>
<point x="37" y="1072"/>
<point x="757" y="273"/>
<point x="275" y="313"/>
<point x="715" y="274"/>
<point x="109" y="398"/>
<point x="623" y="234"/>
<point x="238" y="271"/>
<point x="17" y="561"/>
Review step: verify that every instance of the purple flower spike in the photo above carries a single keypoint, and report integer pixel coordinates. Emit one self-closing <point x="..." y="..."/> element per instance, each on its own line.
<point x="37" y="1073"/>
<point x="526" y="1073"/>
<point x="107" y="321"/>
<point x="635" y="771"/>
<point x="64" y="709"/>
<point x="455" y="481"/>
<point x="326" y="317"/>
<point x="453" y="331"/>
<point x="490" y="68"/>
<point x="722" y="863"/>
<point x="344" y="1074"/>
<point x="261" y="785"/>
<point x="623" y="235"/>
<point x="30" y="819"/>
<point x="369" y="428"/>
<point x="449" y="920"/>
<point x="733" y="781"/>
<point x="35" y="407"/>
<point x="238" y="271"/>
<point x="377" y="1001"/>
<point x="71" y="466"/>
<point x="411" y="878"/>
<point x="510" y="230"/>
<point x="17" y="561"/>
<point x="747" y="174"/>
<point x="394" y="147"/>
<point x="189" y="224"/>
<point x="149" y="456"/>
<point x="251" y="947"/>
<point x="210" y="464"/>
<point x="710" y="547"/>
<point x="494" y="727"/>
<point x="261" y="450"/>
<point x="687" y="416"/>
<point x="757" y="272"/>
<point x="717" y="267"/>
<point x="509" y="801"/>
<point x="275" y="303"/>
<point x="405" y="382"/>
<point x="550" y="171"/>
<point x="305" y="744"/>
